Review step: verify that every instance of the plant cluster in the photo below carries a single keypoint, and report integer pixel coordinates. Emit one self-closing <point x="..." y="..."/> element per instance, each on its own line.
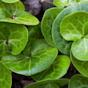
<point x="44" y="50"/>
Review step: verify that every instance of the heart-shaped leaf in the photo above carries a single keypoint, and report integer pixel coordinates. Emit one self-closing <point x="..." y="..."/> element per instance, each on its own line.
<point x="81" y="66"/>
<point x="46" y="24"/>
<point x="10" y="1"/>
<point x="58" y="69"/>
<point x="61" y="44"/>
<point x="49" y="84"/>
<point x="13" y="38"/>
<point x="80" y="49"/>
<point x="73" y="30"/>
<point x="78" y="81"/>
<point x="5" y="77"/>
<point x="15" y="13"/>
<point x="39" y="58"/>
<point x="74" y="26"/>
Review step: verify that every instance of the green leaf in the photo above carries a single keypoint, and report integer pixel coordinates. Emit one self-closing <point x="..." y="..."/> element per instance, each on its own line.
<point x="60" y="43"/>
<point x="58" y="69"/>
<point x="49" y="84"/>
<point x="81" y="66"/>
<point x="78" y="81"/>
<point x="45" y="84"/>
<point x="74" y="26"/>
<point x="80" y="49"/>
<point x="15" y="13"/>
<point x="38" y="58"/>
<point x="46" y="24"/>
<point x="5" y="77"/>
<point x="10" y="1"/>
<point x="63" y="3"/>
<point x="34" y="32"/>
<point x="13" y="38"/>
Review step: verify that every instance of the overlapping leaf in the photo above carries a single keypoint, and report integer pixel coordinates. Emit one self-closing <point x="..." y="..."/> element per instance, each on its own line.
<point x="64" y="3"/>
<point x="49" y="84"/>
<point x="74" y="27"/>
<point x="5" y="77"/>
<point x="78" y="81"/>
<point x="15" y="13"/>
<point x="63" y="45"/>
<point x="58" y="69"/>
<point x="40" y="58"/>
<point x="46" y="24"/>
<point x="13" y="38"/>
<point x="81" y="66"/>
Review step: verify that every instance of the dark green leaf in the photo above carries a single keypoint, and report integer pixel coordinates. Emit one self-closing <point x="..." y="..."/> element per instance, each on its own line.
<point x="5" y="77"/>
<point x="78" y="81"/>
<point x="49" y="84"/>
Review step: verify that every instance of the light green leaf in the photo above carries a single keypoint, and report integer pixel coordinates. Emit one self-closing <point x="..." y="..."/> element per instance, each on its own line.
<point x="49" y="84"/>
<point x="60" y="43"/>
<point x="39" y="58"/>
<point x="5" y="77"/>
<point x="46" y="24"/>
<point x="58" y="69"/>
<point x="64" y="3"/>
<point x="13" y="38"/>
<point x="81" y="66"/>
<point x="10" y="1"/>
<point x="15" y="13"/>
<point x="78" y="81"/>
<point x="80" y="49"/>
<point x="74" y="26"/>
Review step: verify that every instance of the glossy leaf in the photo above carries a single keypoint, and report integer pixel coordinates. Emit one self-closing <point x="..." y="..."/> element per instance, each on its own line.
<point x="5" y="77"/>
<point x="78" y="81"/>
<point x="60" y="43"/>
<point x="9" y="1"/>
<point x="80" y="49"/>
<point x="46" y="24"/>
<point x="64" y="3"/>
<point x="40" y="57"/>
<point x="49" y="84"/>
<point x="81" y="66"/>
<point x="15" y="13"/>
<point x="13" y="38"/>
<point x="58" y="69"/>
<point x="74" y="26"/>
